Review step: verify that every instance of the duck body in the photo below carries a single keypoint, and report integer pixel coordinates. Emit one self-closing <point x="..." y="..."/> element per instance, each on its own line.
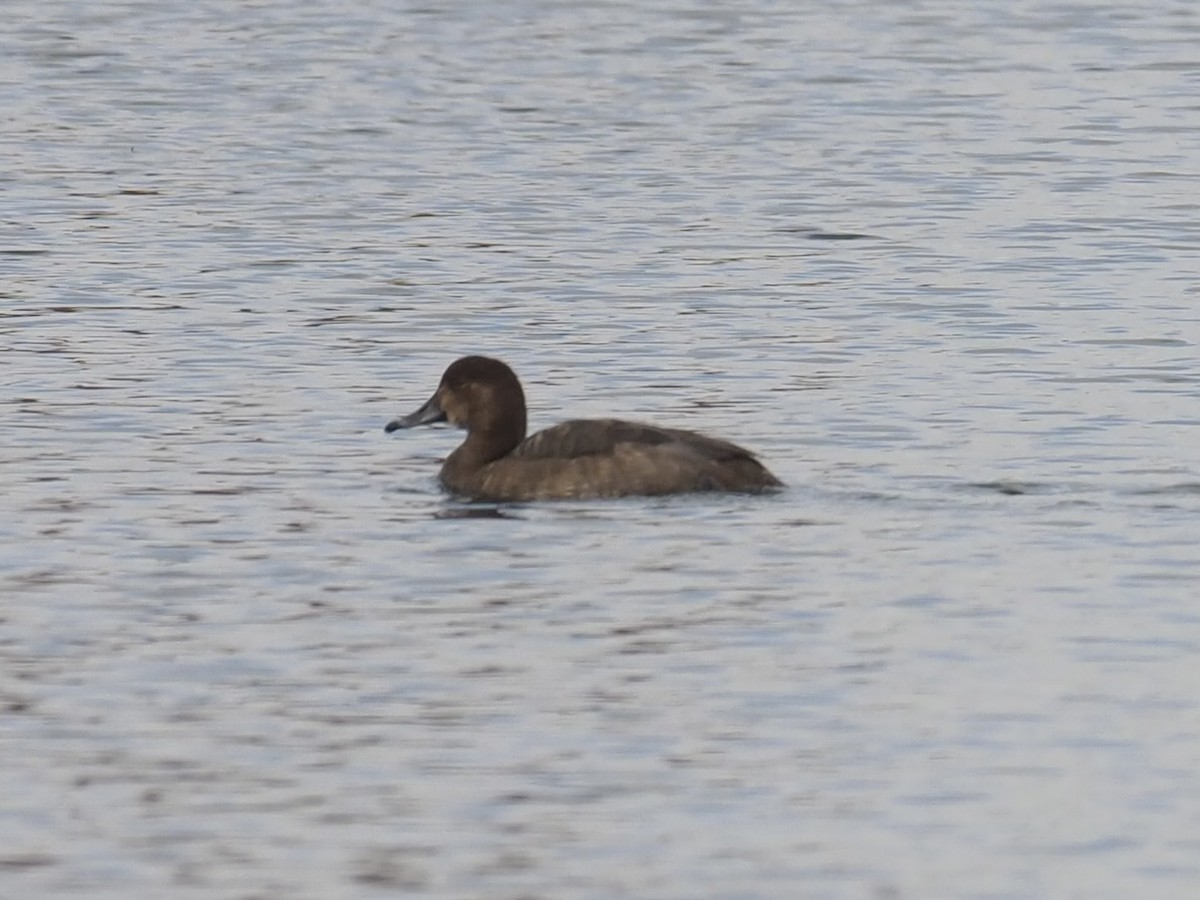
<point x="579" y="459"/>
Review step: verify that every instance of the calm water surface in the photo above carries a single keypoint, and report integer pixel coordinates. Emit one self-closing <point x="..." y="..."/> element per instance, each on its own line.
<point x="937" y="262"/>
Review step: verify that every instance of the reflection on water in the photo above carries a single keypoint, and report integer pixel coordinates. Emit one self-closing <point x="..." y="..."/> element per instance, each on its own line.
<point x="475" y="511"/>
<point x="937" y="266"/>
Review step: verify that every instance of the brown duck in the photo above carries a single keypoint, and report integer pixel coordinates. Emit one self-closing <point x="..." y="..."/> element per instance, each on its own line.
<point x="579" y="459"/>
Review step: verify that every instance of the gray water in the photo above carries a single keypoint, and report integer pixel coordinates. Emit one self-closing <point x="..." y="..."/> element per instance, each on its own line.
<point x="937" y="262"/>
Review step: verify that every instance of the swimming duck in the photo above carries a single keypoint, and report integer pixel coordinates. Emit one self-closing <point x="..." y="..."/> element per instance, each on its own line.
<point x="579" y="459"/>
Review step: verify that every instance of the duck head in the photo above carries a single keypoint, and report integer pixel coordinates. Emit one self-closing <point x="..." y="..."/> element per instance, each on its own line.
<point x="477" y="393"/>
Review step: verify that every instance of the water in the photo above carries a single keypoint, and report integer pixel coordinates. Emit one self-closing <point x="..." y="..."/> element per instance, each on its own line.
<point x="936" y="262"/>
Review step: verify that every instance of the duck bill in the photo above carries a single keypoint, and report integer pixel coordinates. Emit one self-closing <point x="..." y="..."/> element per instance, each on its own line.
<point x="429" y="413"/>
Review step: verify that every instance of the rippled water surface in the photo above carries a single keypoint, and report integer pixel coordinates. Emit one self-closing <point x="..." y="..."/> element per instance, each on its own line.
<point x="937" y="262"/>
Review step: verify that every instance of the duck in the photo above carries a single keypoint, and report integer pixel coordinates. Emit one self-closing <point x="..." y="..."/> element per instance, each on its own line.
<point x="581" y="459"/>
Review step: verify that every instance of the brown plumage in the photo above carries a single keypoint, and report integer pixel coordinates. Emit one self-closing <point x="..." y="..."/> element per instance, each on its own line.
<point x="579" y="459"/>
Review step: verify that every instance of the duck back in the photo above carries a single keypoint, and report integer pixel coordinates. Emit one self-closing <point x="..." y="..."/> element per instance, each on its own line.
<point x="596" y="458"/>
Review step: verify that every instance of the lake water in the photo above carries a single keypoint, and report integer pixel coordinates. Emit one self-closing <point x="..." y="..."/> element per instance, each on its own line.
<point x="937" y="262"/>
